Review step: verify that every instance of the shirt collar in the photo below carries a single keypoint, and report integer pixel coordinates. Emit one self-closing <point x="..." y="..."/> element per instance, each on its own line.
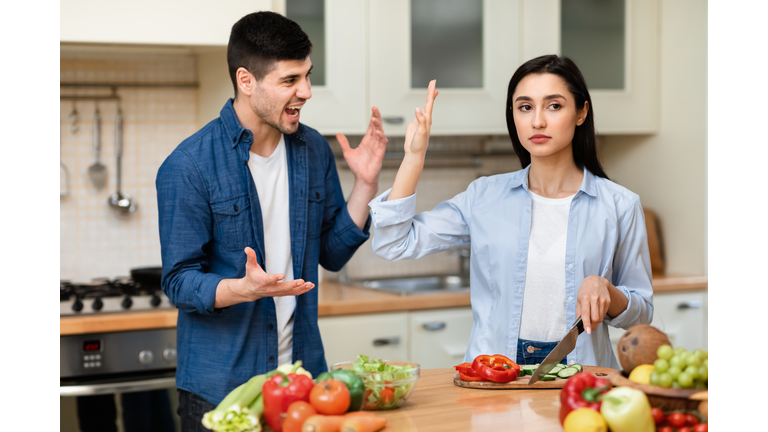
<point x="234" y="130"/>
<point x="587" y="183"/>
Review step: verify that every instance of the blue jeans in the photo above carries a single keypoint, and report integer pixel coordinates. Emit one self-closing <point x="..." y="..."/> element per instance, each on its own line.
<point x="533" y="352"/>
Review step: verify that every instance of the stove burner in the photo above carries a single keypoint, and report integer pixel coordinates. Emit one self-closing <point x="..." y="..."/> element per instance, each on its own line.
<point x="104" y="295"/>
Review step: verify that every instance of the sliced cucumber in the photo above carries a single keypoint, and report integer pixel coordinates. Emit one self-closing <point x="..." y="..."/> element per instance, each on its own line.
<point x="567" y="372"/>
<point x="548" y="377"/>
<point x="578" y="366"/>
<point x="528" y="369"/>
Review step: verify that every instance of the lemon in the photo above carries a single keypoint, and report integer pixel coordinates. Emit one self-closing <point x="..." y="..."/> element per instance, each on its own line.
<point x="641" y="374"/>
<point x="584" y="420"/>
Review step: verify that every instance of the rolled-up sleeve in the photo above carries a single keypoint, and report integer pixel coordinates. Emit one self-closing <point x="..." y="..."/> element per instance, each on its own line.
<point x="632" y="269"/>
<point x="402" y="234"/>
<point x="185" y="224"/>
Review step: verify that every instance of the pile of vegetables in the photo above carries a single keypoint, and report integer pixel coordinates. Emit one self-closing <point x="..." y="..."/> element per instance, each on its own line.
<point x="290" y="401"/>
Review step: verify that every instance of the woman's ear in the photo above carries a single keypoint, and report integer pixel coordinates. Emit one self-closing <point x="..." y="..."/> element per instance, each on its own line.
<point x="582" y="114"/>
<point x="245" y="81"/>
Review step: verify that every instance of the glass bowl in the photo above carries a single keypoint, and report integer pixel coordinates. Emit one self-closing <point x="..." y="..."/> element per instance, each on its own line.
<point x="386" y="390"/>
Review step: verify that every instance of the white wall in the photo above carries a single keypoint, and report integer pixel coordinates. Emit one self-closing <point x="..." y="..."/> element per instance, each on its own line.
<point x="669" y="169"/>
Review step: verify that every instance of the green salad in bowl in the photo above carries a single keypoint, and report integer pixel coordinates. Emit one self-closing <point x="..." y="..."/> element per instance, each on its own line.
<point x="388" y="383"/>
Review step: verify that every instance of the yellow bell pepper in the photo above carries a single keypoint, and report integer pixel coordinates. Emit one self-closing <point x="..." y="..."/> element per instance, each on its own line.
<point x="626" y="409"/>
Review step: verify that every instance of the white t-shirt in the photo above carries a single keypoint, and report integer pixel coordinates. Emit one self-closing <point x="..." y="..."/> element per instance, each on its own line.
<point x="543" y="317"/>
<point x="270" y="175"/>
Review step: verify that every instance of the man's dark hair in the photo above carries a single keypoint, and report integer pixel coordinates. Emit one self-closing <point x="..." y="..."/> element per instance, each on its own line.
<point x="584" y="140"/>
<point x="260" y="39"/>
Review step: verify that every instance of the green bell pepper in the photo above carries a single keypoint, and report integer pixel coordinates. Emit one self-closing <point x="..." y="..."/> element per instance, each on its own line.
<point x="352" y="382"/>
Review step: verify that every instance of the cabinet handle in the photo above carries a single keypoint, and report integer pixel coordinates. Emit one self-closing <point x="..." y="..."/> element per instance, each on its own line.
<point x="691" y="304"/>
<point x="434" y="326"/>
<point x="386" y="341"/>
<point x="394" y="120"/>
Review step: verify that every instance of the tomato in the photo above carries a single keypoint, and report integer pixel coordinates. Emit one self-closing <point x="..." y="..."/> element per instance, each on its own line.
<point x="387" y="395"/>
<point x="330" y="397"/>
<point x="297" y="413"/>
<point x="665" y="429"/>
<point x="701" y="427"/>
<point x="684" y="429"/>
<point x="676" y="419"/>
<point x="367" y="404"/>
<point x="691" y="419"/>
<point x="658" y="416"/>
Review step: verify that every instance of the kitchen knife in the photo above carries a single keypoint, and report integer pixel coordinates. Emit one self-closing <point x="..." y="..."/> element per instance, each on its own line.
<point x="559" y="352"/>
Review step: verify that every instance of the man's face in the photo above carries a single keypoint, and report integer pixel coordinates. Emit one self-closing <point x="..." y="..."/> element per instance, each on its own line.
<point x="278" y="98"/>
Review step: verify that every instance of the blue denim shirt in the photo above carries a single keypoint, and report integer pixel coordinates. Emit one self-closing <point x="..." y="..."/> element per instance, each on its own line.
<point x="606" y="237"/>
<point x="209" y="212"/>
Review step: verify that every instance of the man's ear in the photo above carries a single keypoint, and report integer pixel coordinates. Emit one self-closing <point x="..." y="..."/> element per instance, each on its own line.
<point x="582" y="114"/>
<point x="245" y="81"/>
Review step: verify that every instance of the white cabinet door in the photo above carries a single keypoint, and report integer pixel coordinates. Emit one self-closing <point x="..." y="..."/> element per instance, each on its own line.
<point x="460" y="111"/>
<point x="682" y="316"/>
<point x="631" y="108"/>
<point x="169" y="22"/>
<point x="381" y="336"/>
<point x="439" y="338"/>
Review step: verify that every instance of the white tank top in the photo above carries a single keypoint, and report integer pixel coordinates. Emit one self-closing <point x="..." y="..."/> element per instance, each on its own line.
<point x="270" y="174"/>
<point x="543" y="317"/>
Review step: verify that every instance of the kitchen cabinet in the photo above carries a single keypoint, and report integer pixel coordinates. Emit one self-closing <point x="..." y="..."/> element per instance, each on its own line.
<point x="168" y="22"/>
<point x="624" y="92"/>
<point x="434" y="339"/>
<point x="682" y="316"/>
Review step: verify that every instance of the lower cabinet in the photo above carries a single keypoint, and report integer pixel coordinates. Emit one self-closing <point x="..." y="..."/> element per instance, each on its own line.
<point x="433" y="339"/>
<point x="682" y="316"/>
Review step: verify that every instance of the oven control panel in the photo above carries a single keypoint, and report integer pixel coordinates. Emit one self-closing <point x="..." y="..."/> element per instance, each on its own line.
<point x="117" y="352"/>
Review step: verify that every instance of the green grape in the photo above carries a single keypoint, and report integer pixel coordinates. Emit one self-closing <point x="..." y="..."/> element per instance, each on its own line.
<point x="700" y="385"/>
<point x="665" y="380"/>
<point x="693" y="360"/>
<point x="677" y="361"/>
<point x="703" y="373"/>
<point x="661" y="365"/>
<point x="699" y="352"/>
<point x="654" y="378"/>
<point x="664" y="352"/>
<point x="674" y="372"/>
<point x="676" y="384"/>
<point x="692" y="371"/>
<point x="685" y="380"/>
<point x="705" y="362"/>
<point x="680" y="350"/>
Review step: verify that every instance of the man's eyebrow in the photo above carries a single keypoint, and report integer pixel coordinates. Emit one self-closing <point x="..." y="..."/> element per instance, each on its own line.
<point x="548" y="97"/>
<point x="293" y="76"/>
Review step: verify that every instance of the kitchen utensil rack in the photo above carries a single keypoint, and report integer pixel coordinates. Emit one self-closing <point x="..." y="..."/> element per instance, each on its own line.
<point x="113" y="95"/>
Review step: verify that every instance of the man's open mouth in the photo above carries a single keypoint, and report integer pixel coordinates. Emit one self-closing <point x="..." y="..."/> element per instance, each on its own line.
<point x="293" y="112"/>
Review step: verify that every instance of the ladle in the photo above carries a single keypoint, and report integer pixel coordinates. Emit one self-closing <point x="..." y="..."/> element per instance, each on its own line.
<point x="121" y="203"/>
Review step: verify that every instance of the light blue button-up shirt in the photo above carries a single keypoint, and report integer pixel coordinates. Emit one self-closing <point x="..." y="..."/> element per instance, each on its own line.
<point x="606" y="237"/>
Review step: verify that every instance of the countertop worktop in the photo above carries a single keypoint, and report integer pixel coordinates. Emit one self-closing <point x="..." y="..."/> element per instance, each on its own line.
<point x="334" y="299"/>
<point x="438" y="405"/>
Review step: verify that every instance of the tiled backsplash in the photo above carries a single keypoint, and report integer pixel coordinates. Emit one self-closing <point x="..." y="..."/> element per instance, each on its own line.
<point x="97" y="242"/>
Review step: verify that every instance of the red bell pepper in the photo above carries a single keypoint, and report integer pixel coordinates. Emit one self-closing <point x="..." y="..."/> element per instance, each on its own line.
<point x="281" y="391"/>
<point x="582" y="390"/>
<point x="496" y="368"/>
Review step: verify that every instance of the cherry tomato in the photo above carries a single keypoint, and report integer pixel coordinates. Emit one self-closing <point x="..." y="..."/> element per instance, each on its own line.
<point x="684" y="429"/>
<point x="691" y="419"/>
<point x="387" y="395"/>
<point x="658" y="416"/>
<point x="297" y="413"/>
<point x="701" y="427"/>
<point x="367" y="404"/>
<point x="676" y="419"/>
<point x="665" y="429"/>
<point x="330" y="397"/>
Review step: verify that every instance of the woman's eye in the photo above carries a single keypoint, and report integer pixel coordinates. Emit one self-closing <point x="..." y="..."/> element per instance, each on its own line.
<point x="555" y="106"/>
<point x="524" y="108"/>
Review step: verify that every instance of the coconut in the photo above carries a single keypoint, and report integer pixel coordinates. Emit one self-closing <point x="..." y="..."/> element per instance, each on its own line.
<point x="638" y="346"/>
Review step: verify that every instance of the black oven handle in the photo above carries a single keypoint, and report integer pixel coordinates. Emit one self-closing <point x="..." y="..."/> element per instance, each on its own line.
<point x="118" y="387"/>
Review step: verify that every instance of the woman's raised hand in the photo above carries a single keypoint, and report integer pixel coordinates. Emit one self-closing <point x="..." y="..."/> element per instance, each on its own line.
<point x="417" y="133"/>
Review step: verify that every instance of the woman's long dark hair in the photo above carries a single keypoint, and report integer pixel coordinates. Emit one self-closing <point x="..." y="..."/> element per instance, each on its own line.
<point x="584" y="141"/>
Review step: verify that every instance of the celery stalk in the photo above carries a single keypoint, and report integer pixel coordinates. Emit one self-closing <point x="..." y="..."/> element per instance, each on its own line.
<point x="239" y="411"/>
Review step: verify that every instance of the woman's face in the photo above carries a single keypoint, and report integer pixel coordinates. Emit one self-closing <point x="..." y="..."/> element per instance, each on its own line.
<point x="545" y="115"/>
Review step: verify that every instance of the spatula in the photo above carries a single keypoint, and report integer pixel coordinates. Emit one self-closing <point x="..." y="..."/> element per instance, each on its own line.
<point x="97" y="172"/>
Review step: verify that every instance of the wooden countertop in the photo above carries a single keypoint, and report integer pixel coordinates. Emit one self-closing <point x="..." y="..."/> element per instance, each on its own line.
<point x="438" y="405"/>
<point x="333" y="299"/>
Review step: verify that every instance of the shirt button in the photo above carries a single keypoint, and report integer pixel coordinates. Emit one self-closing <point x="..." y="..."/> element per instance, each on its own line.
<point x="271" y="326"/>
<point x="271" y="359"/>
<point x="570" y="298"/>
<point x="570" y="266"/>
<point x="235" y="207"/>
<point x="234" y="139"/>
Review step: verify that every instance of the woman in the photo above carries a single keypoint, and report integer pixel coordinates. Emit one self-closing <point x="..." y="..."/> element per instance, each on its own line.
<point x="551" y="242"/>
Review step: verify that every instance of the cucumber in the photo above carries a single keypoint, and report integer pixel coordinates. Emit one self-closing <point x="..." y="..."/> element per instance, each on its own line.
<point x="548" y="377"/>
<point x="527" y="369"/>
<point x="567" y="372"/>
<point x="578" y="366"/>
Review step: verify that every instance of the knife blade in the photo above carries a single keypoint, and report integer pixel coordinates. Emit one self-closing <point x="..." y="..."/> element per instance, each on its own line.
<point x="559" y="352"/>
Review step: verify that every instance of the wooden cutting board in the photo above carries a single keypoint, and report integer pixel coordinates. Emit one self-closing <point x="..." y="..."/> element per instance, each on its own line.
<point x="521" y="382"/>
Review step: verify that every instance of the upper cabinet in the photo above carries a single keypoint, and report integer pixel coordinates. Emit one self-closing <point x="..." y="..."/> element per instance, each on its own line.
<point x="166" y="22"/>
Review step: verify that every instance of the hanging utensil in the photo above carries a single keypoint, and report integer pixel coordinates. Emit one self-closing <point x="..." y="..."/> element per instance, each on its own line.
<point x="75" y="118"/>
<point x="121" y="203"/>
<point x="97" y="172"/>
<point x="63" y="180"/>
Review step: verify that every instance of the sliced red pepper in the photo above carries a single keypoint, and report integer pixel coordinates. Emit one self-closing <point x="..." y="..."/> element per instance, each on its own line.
<point x="496" y="368"/>
<point x="470" y="377"/>
<point x="465" y="368"/>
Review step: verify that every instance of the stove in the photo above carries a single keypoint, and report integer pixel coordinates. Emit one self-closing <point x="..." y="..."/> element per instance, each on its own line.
<point x="109" y="296"/>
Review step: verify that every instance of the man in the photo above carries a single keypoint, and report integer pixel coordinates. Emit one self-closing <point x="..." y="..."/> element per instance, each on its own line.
<point x="248" y="207"/>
